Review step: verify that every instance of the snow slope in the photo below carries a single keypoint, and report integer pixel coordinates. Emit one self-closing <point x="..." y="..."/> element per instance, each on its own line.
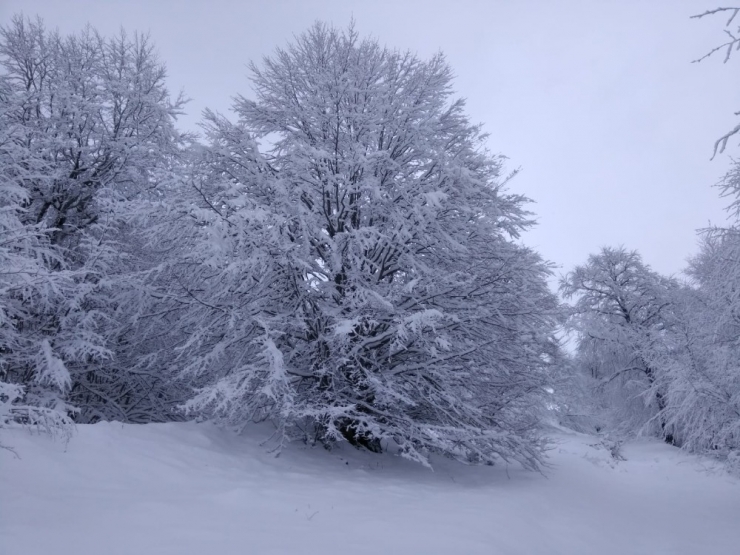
<point x="193" y="489"/>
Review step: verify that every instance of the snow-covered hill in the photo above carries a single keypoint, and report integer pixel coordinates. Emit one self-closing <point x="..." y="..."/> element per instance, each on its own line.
<point x="192" y="489"/>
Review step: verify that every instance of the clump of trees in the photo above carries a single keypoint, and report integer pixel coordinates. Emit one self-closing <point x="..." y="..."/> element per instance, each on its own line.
<point x="342" y="260"/>
<point x="87" y="136"/>
<point x="659" y="355"/>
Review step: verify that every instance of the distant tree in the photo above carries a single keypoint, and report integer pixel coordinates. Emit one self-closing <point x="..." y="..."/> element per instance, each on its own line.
<point x="357" y="275"/>
<point x="703" y="366"/>
<point x="621" y="313"/>
<point x="86" y="136"/>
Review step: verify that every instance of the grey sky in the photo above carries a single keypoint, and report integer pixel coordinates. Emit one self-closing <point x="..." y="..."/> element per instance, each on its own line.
<point x="597" y="101"/>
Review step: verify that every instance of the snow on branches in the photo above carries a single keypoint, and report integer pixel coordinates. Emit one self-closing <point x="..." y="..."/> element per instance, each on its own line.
<point x="86" y="133"/>
<point x="356" y="276"/>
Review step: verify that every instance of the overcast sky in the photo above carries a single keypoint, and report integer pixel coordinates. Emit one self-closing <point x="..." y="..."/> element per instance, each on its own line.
<point x="597" y="101"/>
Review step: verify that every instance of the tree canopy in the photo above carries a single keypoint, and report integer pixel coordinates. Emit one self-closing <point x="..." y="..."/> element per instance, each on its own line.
<point x="367" y="275"/>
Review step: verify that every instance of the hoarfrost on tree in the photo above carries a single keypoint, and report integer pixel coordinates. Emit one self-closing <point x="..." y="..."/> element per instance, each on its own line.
<point x="357" y="273"/>
<point x="86" y="135"/>
<point x="621" y="314"/>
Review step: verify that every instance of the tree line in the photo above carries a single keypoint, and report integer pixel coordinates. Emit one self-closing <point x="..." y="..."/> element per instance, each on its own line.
<point x="343" y="260"/>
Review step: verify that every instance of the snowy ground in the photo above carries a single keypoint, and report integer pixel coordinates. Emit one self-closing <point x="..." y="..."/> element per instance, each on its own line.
<point x="192" y="489"/>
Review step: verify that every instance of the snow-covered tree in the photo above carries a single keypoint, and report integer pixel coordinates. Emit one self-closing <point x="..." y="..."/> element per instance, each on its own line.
<point x="87" y="133"/>
<point x="357" y="275"/>
<point x="621" y="312"/>
<point x="701" y="376"/>
<point x="703" y="368"/>
<point x="25" y="285"/>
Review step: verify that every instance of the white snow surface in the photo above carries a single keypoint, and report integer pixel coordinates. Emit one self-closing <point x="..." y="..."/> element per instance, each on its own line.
<point x="194" y="489"/>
